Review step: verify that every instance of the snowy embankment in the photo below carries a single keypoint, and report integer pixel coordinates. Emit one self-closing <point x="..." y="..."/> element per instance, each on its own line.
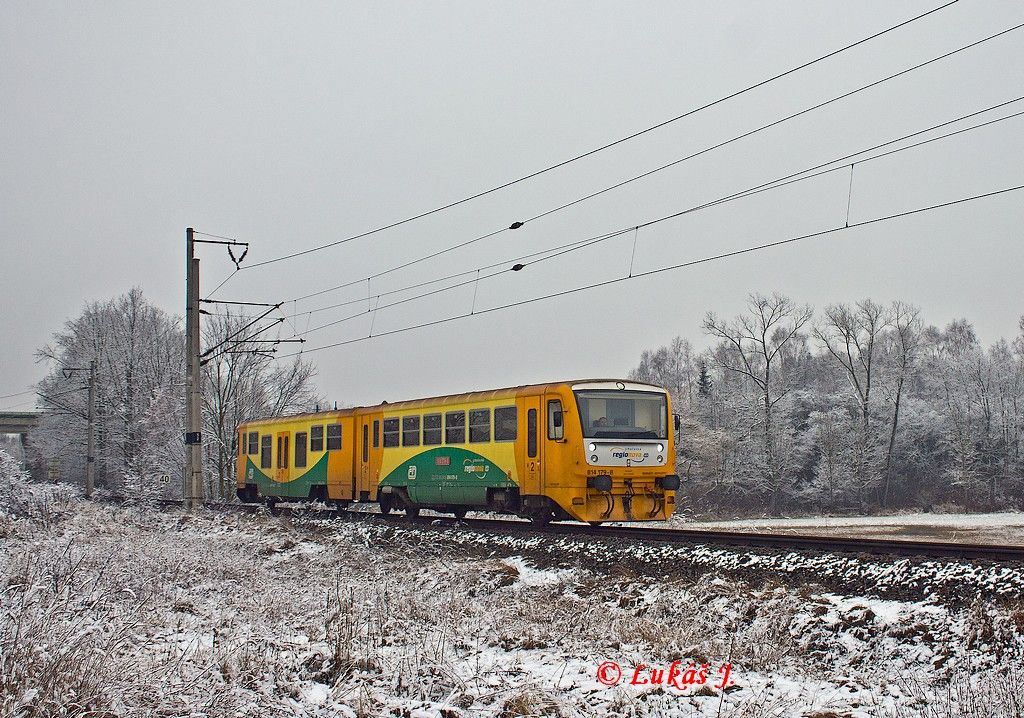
<point x="128" y="611"/>
<point x="1001" y="528"/>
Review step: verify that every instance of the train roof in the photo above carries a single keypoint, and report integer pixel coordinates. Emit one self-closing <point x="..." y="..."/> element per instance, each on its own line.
<point x="487" y="394"/>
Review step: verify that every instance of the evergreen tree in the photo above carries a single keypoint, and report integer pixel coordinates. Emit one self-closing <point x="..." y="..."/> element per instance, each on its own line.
<point x="703" y="379"/>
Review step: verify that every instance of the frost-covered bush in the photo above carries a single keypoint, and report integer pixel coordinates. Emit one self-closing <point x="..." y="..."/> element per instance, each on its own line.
<point x="22" y="498"/>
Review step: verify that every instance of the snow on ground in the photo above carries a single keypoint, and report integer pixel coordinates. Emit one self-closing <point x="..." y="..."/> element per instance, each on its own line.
<point x="1002" y="528"/>
<point x="129" y="611"/>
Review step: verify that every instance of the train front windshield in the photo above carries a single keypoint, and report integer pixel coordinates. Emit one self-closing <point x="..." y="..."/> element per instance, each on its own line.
<point x="623" y="414"/>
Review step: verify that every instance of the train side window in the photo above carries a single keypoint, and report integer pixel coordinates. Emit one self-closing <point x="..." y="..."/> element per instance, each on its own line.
<point x="479" y="425"/>
<point x="531" y="433"/>
<point x="266" y="446"/>
<point x="254" y="442"/>
<point x="391" y="432"/>
<point x="316" y="438"/>
<point x="300" y="450"/>
<point x="555" y="428"/>
<point x="333" y="437"/>
<point x="376" y="434"/>
<point x="431" y="429"/>
<point x="410" y="431"/>
<point x="455" y="427"/>
<point x="505" y="419"/>
<point x="366" y="443"/>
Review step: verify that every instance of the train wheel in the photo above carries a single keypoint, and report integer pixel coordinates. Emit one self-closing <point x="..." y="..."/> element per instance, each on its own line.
<point x="411" y="511"/>
<point x="541" y="518"/>
<point x="272" y="506"/>
<point x="595" y="524"/>
<point x="460" y="512"/>
<point x="385" y="503"/>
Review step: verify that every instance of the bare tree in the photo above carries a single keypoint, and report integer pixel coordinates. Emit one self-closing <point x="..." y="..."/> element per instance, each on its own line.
<point x="850" y="335"/>
<point x="139" y="353"/>
<point x="753" y="343"/>
<point x="905" y="341"/>
<point x="245" y="383"/>
<point x="671" y="367"/>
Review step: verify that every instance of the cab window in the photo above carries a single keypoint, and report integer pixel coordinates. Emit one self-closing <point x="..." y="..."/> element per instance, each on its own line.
<point x="254" y="443"/>
<point x="556" y="430"/>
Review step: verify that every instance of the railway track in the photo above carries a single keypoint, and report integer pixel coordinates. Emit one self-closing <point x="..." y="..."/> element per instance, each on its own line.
<point x="737" y="539"/>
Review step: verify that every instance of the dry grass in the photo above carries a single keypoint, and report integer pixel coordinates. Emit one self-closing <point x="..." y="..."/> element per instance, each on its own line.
<point x="131" y="613"/>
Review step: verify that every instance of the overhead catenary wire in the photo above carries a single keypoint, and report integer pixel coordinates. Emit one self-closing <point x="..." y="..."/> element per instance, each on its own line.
<point x="17" y="393"/>
<point x="16" y="406"/>
<point x="651" y="272"/>
<point x="668" y="165"/>
<point x="607" y="145"/>
<point x="234" y="334"/>
<point x="235" y="271"/>
<point x="777" y="183"/>
<point x="437" y="280"/>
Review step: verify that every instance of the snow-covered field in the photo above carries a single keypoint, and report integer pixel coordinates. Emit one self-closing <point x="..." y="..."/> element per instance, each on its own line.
<point x="1000" y="528"/>
<point x="131" y="611"/>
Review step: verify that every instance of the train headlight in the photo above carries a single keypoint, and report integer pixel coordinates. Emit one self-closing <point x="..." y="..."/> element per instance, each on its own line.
<point x="594" y="458"/>
<point x="661" y="448"/>
<point x="660" y="459"/>
<point x="592" y="447"/>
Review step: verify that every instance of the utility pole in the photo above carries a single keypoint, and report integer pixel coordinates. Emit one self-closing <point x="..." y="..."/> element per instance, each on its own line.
<point x="192" y="481"/>
<point x="192" y="489"/>
<point x="90" y="451"/>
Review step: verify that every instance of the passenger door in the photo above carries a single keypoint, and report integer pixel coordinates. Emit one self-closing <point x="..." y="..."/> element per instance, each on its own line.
<point x="282" y="472"/>
<point x="364" y="460"/>
<point x="533" y="478"/>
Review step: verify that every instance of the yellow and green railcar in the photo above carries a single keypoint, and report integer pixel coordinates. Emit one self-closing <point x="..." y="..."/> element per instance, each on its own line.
<point x="591" y="450"/>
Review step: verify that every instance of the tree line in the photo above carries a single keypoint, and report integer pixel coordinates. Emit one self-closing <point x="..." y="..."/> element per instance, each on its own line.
<point x="139" y="405"/>
<point x="858" y="407"/>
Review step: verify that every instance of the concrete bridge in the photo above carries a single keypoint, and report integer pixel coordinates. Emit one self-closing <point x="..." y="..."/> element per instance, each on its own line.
<point x="19" y="422"/>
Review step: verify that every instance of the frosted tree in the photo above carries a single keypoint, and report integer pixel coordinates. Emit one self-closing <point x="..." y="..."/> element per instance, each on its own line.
<point x="903" y="348"/>
<point x="672" y="367"/>
<point x="1006" y="401"/>
<point x="851" y="336"/>
<point x="751" y="349"/>
<point x="139" y="352"/>
<point x="829" y="433"/>
<point x="243" y="383"/>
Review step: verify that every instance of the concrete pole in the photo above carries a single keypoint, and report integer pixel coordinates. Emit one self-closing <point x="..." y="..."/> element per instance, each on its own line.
<point x="192" y="489"/>
<point x="90" y="450"/>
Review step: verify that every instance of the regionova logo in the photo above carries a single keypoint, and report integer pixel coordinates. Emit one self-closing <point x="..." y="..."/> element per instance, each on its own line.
<point x="476" y="466"/>
<point x="632" y="453"/>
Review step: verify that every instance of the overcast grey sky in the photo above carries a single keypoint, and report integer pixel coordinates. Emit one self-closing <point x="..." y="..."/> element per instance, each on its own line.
<point x="291" y="125"/>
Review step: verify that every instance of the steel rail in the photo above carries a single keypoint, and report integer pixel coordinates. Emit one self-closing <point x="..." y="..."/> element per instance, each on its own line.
<point x="695" y="537"/>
